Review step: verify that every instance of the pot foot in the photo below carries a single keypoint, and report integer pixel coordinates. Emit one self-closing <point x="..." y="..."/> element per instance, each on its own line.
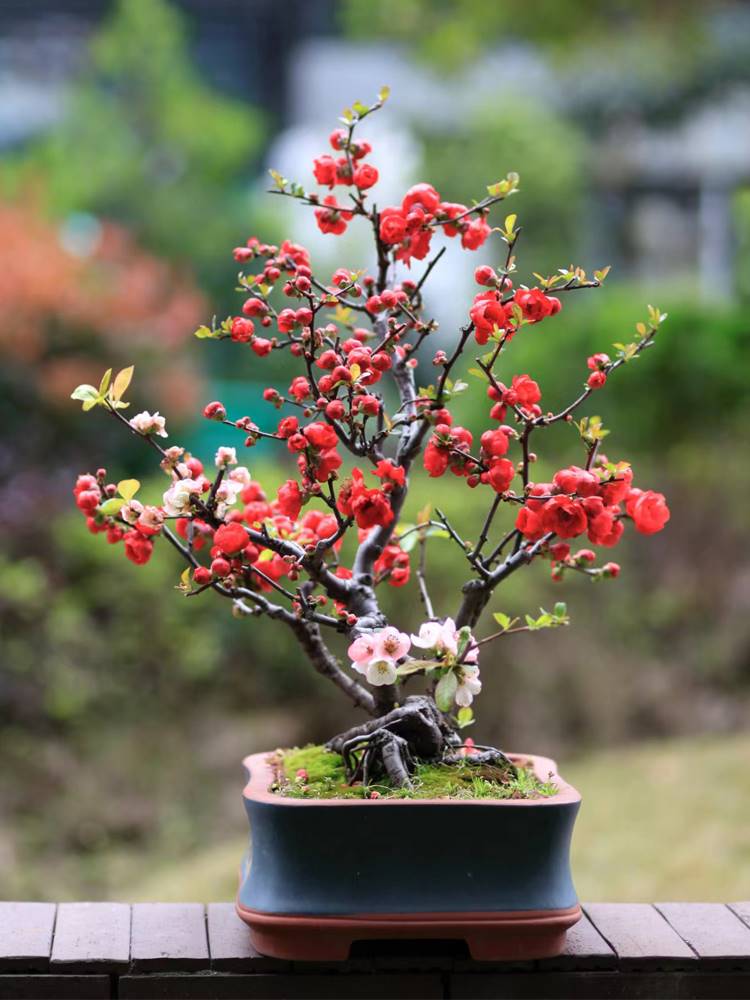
<point x="490" y="937"/>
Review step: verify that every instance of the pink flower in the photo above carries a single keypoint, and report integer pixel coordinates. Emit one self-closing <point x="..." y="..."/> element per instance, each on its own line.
<point x="441" y="637"/>
<point x="389" y="642"/>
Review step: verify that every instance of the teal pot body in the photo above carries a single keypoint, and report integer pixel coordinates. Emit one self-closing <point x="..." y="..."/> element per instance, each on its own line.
<point x="320" y="873"/>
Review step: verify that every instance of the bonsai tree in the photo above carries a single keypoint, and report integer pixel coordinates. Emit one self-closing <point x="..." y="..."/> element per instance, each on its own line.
<point x="357" y="340"/>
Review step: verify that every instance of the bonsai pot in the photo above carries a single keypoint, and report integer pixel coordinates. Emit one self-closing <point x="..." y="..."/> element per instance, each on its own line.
<point x="321" y="874"/>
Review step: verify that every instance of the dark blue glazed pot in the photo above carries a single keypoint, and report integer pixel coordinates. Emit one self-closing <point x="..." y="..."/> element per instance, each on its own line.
<point x="323" y="873"/>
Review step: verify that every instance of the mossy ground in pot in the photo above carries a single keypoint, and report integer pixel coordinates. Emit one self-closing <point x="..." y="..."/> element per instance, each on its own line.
<point x="325" y="779"/>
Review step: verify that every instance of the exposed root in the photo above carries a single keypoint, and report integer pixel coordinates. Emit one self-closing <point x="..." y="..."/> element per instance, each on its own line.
<point x="391" y="745"/>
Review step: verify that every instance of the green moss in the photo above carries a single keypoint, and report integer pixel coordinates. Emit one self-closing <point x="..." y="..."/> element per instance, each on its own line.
<point x="325" y="779"/>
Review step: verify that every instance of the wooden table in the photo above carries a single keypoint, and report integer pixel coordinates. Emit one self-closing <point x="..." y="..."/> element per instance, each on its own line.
<point x="81" y="950"/>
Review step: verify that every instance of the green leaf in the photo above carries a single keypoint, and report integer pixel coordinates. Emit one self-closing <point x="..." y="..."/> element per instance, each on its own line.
<point x="383" y="94"/>
<point x="91" y="403"/>
<point x="434" y="532"/>
<point x="104" y="384"/>
<point x="445" y="691"/>
<point x="203" y="332"/>
<point x="408" y="543"/>
<point x="111" y="507"/>
<point x="127" y="488"/>
<point x="503" y="620"/>
<point x="85" y="392"/>
<point x="561" y="609"/>
<point x="122" y="381"/>
<point x="465" y="717"/>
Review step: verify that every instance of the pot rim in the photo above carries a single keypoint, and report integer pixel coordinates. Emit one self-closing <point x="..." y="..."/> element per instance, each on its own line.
<point x="260" y="777"/>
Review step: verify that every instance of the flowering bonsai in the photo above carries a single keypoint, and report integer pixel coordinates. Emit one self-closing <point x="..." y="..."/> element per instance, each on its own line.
<point x="357" y="340"/>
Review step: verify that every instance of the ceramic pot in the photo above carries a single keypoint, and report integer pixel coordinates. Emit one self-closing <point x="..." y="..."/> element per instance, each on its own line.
<point x="323" y="873"/>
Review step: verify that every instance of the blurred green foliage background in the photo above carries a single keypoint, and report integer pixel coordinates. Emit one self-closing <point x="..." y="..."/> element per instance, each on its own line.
<point x="124" y="710"/>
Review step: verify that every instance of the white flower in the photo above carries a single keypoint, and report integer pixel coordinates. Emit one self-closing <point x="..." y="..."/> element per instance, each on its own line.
<point x="381" y="670"/>
<point x="225" y="457"/>
<point x="177" y="497"/>
<point x="437" y="636"/>
<point x="149" y="423"/>
<point x="240" y="475"/>
<point x="151" y="518"/>
<point x="468" y="684"/>
<point x="131" y="511"/>
<point x="226" y="495"/>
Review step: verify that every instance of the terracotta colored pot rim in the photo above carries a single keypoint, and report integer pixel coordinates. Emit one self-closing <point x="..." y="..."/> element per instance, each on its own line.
<point x="261" y="776"/>
<point x="418" y="921"/>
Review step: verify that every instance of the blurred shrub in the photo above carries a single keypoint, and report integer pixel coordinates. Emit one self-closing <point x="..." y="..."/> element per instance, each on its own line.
<point x="547" y="151"/>
<point x="78" y="299"/>
<point x="146" y="142"/>
<point x="687" y="389"/>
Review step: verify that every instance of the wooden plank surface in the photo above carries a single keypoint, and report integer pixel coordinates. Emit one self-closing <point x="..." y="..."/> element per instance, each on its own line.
<point x="26" y="936"/>
<point x="91" y="937"/>
<point x="640" y="936"/>
<point x="585" y="948"/>
<point x="712" y="930"/>
<point x="169" y="937"/>
<point x="282" y="987"/>
<point x="48" y="987"/>
<point x="229" y="944"/>
<point x="675" y="985"/>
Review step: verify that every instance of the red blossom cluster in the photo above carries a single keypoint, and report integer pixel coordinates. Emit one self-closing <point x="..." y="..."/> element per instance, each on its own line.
<point x="351" y="336"/>
<point x="590" y="501"/>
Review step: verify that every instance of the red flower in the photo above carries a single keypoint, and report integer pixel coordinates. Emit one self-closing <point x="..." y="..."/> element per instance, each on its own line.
<point x="365" y="175"/>
<point x="615" y="490"/>
<point x="324" y="169"/>
<point x="565" y="517"/>
<point x="324" y="464"/>
<point x="450" y="210"/>
<point x="332" y="219"/>
<point x="394" y="563"/>
<point x="371" y="508"/>
<point x="529" y="523"/>
<point x="596" y="380"/>
<point x="485" y="275"/>
<point x="287" y="427"/>
<point x="535" y="305"/>
<point x="435" y="459"/>
<point x="261" y="346"/>
<point x="524" y="391"/>
<point x="648" y="509"/>
<point x="390" y="473"/>
<point x="214" y="411"/>
<point x="320" y="435"/>
<point x="299" y="388"/>
<point x="138" y="548"/>
<point x="286" y="320"/>
<point x="392" y="225"/>
<point x="421" y="194"/>
<point x="500" y="475"/>
<point x="230" y="538"/>
<point x="486" y="314"/>
<point x="494" y="443"/>
<point x="576" y="480"/>
<point x="290" y="499"/>
<point x="475" y="234"/>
